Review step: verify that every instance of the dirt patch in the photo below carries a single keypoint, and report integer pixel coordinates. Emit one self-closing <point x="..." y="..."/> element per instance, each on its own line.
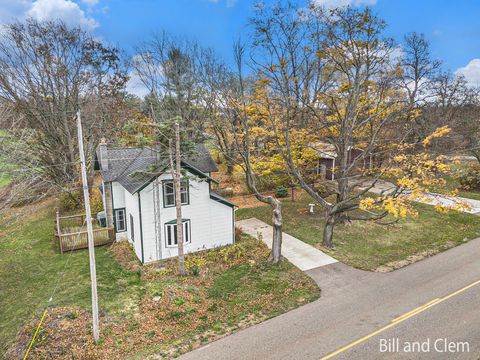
<point x="250" y="201"/>
<point x="65" y="330"/>
<point x="394" y="265"/>
<point x="246" y="201"/>
<point x="124" y="255"/>
<point x="17" y="213"/>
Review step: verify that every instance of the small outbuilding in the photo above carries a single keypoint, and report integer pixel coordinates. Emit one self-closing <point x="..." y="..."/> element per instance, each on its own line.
<point x="327" y="156"/>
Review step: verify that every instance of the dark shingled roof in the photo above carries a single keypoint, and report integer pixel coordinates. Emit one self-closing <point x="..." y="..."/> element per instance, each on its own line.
<point x="133" y="167"/>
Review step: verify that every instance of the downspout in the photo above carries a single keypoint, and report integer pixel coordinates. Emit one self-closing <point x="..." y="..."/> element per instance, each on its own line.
<point x="114" y="221"/>
<point x="233" y="222"/>
<point x="104" y="199"/>
<point x="333" y="169"/>
<point x="141" y="227"/>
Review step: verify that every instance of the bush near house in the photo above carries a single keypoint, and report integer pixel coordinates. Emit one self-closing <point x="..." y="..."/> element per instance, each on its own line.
<point x="281" y="192"/>
<point x="469" y="178"/>
<point x="143" y="309"/>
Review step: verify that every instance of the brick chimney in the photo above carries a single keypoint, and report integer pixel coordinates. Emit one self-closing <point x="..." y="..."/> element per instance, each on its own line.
<point x="103" y="154"/>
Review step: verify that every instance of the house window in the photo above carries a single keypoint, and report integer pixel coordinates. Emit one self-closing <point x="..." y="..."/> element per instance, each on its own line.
<point x="169" y="193"/>
<point x="171" y="232"/>
<point x="132" y="229"/>
<point x="120" y="221"/>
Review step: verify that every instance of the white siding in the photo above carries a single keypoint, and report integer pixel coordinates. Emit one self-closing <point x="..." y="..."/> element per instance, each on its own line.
<point x="131" y="207"/>
<point x="118" y="196"/>
<point x="211" y="221"/>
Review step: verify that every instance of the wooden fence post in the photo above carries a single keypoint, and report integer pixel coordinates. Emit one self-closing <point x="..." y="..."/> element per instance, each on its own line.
<point x="59" y="232"/>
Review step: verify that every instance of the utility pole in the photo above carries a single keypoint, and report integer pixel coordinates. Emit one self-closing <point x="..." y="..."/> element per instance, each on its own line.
<point x="91" y="249"/>
<point x="176" y="174"/>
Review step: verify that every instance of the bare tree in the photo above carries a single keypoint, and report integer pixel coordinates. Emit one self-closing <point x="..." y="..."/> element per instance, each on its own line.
<point x="47" y="71"/>
<point x="168" y="67"/>
<point x="418" y="71"/>
<point x="454" y="103"/>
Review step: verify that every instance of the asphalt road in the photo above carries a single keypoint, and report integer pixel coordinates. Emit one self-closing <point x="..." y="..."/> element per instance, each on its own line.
<point x="360" y="313"/>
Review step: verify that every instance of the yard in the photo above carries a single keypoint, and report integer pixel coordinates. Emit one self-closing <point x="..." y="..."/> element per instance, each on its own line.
<point x="143" y="310"/>
<point x="369" y="246"/>
<point x="4" y="180"/>
<point x="453" y="183"/>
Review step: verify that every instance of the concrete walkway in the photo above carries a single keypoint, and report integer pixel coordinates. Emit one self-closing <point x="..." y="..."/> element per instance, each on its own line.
<point x="300" y="254"/>
<point x="470" y="206"/>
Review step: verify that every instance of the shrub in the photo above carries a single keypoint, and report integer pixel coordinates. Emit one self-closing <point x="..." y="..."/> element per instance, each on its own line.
<point x="281" y="192"/>
<point x="96" y="201"/>
<point x="193" y="264"/>
<point x="238" y="234"/>
<point x="71" y="200"/>
<point x="470" y="178"/>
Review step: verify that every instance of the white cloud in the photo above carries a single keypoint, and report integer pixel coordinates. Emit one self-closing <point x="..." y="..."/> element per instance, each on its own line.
<point x="135" y="85"/>
<point x="330" y="4"/>
<point x="397" y="54"/>
<point x="471" y="72"/>
<point x="65" y="10"/>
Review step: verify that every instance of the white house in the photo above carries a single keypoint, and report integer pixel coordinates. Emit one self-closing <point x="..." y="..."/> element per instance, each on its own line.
<point x="140" y="202"/>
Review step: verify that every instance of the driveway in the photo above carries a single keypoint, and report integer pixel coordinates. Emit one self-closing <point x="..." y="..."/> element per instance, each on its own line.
<point x="357" y="304"/>
<point x="300" y="254"/>
<point x="470" y="206"/>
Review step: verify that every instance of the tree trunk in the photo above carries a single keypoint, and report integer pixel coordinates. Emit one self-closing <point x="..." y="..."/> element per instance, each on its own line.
<point x="328" y="231"/>
<point x="229" y="167"/>
<point x="229" y="159"/>
<point x="176" y="172"/>
<point x="277" y="231"/>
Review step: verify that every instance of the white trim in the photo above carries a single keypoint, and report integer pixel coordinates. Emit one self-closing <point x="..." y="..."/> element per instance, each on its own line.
<point x="184" y="189"/>
<point x="117" y="221"/>
<point x="170" y="232"/>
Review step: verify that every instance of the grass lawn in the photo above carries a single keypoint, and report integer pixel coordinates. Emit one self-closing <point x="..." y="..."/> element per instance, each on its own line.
<point x="367" y="245"/>
<point x="143" y="310"/>
<point x="3" y="181"/>
<point x="31" y="266"/>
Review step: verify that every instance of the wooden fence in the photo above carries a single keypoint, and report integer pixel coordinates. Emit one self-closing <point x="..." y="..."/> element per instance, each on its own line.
<point x="71" y="232"/>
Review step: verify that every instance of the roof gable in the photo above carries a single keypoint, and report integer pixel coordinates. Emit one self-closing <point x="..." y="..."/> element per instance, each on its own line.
<point x="134" y="168"/>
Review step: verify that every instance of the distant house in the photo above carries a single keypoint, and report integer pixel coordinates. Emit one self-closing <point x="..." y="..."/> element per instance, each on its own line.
<point x="141" y="206"/>
<point x="327" y="155"/>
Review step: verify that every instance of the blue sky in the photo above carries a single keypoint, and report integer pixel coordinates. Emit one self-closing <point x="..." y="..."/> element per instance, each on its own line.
<point x="452" y="27"/>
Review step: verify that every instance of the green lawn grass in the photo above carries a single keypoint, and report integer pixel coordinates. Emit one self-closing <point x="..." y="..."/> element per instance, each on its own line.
<point x="31" y="267"/>
<point x="4" y="181"/>
<point x="367" y="245"/>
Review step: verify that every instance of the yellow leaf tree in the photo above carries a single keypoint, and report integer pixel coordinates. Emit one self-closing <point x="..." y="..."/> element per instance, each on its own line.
<point x="330" y="82"/>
